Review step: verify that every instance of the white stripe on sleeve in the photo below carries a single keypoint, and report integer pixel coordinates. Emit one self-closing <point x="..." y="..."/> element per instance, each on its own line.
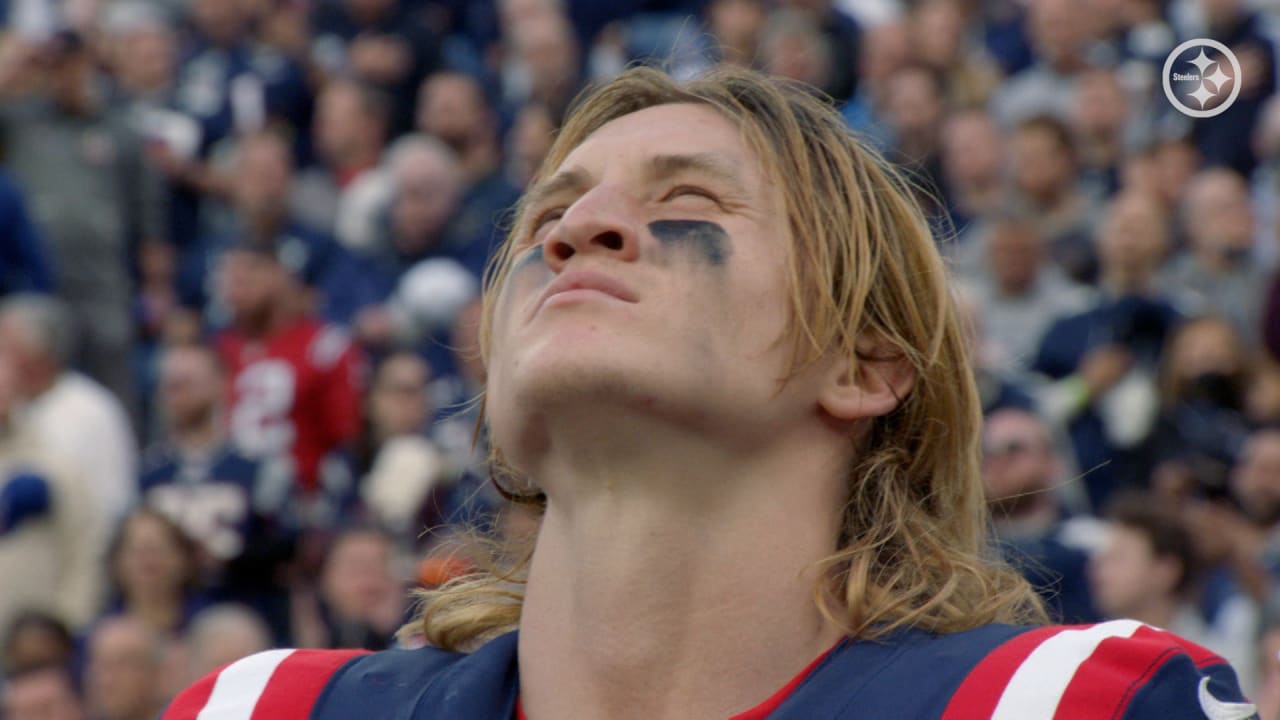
<point x="240" y="685"/>
<point x="1040" y="681"/>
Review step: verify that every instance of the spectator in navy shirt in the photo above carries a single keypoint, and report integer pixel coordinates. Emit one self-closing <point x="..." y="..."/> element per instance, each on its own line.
<point x="381" y="42"/>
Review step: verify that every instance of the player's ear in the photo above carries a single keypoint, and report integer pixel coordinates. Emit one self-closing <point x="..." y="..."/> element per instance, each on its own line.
<point x="875" y="386"/>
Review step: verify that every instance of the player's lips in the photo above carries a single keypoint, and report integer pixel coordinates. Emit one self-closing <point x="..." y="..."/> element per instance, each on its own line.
<point x="583" y="282"/>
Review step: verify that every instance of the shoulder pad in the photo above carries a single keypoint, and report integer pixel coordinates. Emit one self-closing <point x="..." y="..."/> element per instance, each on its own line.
<point x="1121" y="669"/>
<point x="276" y="684"/>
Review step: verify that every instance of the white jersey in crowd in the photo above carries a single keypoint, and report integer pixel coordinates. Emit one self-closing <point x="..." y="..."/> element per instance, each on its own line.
<point x="52" y="562"/>
<point x="83" y="425"/>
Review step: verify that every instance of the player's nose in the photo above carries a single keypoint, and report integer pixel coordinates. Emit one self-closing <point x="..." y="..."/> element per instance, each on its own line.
<point x="599" y="222"/>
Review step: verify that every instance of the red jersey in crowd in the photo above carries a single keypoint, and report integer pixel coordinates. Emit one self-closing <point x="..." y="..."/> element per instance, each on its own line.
<point x="294" y="394"/>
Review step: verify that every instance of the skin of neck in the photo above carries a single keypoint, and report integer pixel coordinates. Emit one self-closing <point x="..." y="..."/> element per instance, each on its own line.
<point x="1121" y="281"/>
<point x="158" y="608"/>
<point x="200" y="435"/>
<point x="666" y="557"/>
<point x="281" y="313"/>
<point x="355" y="156"/>
<point x="1052" y="199"/>
<point x="265" y="223"/>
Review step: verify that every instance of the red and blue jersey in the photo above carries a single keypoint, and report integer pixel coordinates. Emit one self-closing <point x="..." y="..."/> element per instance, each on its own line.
<point x="1119" y="670"/>
<point x="294" y="395"/>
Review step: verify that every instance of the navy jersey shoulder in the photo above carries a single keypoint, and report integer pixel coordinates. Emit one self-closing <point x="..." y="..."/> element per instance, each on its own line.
<point x="426" y="683"/>
<point x="1120" y="670"/>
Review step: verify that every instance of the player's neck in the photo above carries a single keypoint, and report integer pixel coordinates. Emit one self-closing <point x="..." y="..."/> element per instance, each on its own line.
<point x="677" y="582"/>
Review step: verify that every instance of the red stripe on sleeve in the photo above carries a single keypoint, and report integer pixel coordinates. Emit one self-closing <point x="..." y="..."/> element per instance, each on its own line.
<point x="980" y="692"/>
<point x="191" y="701"/>
<point x="1104" y="684"/>
<point x="297" y="682"/>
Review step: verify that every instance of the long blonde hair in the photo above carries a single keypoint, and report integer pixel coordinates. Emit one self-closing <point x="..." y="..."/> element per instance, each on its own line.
<point x="913" y="547"/>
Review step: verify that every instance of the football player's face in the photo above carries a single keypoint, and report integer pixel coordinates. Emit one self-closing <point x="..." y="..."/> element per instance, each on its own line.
<point x="651" y="276"/>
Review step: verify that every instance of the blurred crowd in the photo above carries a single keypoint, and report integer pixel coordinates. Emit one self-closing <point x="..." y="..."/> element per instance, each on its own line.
<point x="242" y="243"/>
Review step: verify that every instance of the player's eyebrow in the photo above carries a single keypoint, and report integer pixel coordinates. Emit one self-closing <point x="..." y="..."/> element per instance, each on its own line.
<point x="571" y="180"/>
<point x="714" y="166"/>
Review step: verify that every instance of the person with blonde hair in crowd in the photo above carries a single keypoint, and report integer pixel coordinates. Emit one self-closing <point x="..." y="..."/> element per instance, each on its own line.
<point x="724" y="364"/>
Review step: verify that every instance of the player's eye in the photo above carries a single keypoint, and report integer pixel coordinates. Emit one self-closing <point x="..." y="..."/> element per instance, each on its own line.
<point x="541" y="221"/>
<point x="547" y="216"/>
<point x="690" y="191"/>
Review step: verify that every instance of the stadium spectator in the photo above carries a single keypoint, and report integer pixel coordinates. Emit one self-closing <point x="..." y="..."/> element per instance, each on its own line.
<point x="336" y="196"/>
<point x="428" y="190"/>
<point x="841" y="34"/>
<point x="1020" y="295"/>
<point x="914" y="110"/>
<point x="1046" y="186"/>
<point x="427" y="266"/>
<point x="155" y="574"/>
<point x="1225" y="139"/>
<point x="793" y="46"/>
<point x="126" y="664"/>
<point x="939" y="30"/>
<point x="63" y="140"/>
<point x="996" y="389"/>
<point x="45" y="693"/>
<point x="885" y="48"/>
<point x="1148" y="570"/>
<point x="260" y="214"/>
<point x="235" y="508"/>
<point x="545" y="66"/>
<point x="1255" y="486"/>
<point x="402" y="466"/>
<point x="381" y="42"/>
<point x="221" y="634"/>
<point x="1100" y="121"/>
<point x="232" y="83"/>
<point x="528" y="142"/>
<point x="174" y="113"/>
<point x="453" y="107"/>
<point x="1022" y="475"/>
<point x="361" y="602"/>
<point x="72" y="416"/>
<point x="35" y="639"/>
<point x="1217" y="274"/>
<point x="294" y="380"/>
<point x="733" y="32"/>
<point x="1059" y="35"/>
<point x="1143" y="37"/>
<point x="1104" y="359"/>
<point x="1202" y="428"/>
<point x="974" y="183"/>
